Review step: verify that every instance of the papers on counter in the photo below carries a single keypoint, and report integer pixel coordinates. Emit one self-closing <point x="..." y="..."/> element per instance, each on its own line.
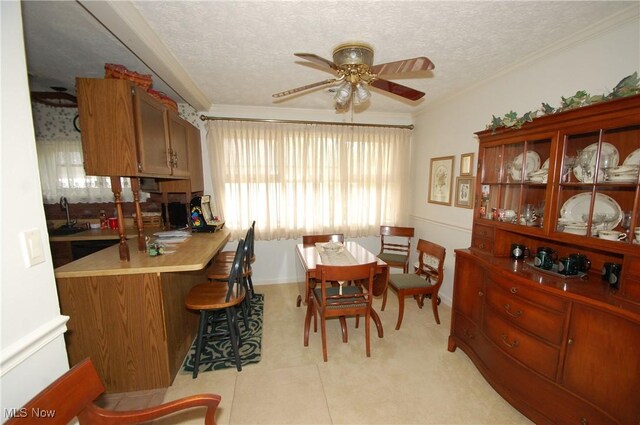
<point x="172" y="236"/>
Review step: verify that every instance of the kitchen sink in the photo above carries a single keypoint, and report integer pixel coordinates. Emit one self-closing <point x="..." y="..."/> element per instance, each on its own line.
<point x="64" y="231"/>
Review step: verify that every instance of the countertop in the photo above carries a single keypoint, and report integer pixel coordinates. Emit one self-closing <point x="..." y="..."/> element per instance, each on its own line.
<point x="190" y="255"/>
<point x="97" y="234"/>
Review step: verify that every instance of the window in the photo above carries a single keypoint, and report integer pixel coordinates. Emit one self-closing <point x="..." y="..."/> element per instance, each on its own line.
<point x="62" y="174"/>
<point x="296" y="179"/>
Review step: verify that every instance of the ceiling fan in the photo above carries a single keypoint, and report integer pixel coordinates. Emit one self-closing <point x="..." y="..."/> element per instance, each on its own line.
<point x="353" y="65"/>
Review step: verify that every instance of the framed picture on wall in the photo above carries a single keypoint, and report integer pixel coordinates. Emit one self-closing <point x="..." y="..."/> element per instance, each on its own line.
<point x="464" y="192"/>
<point x="441" y="180"/>
<point x="466" y="164"/>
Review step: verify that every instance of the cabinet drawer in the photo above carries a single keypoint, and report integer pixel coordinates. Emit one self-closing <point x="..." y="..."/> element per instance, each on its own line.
<point x="482" y="244"/>
<point x="546" y="324"/>
<point x="532" y="352"/>
<point x="631" y="266"/>
<point x="483" y="231"/>
<point x="529" y="294"/>
<point x="465" y="329"/>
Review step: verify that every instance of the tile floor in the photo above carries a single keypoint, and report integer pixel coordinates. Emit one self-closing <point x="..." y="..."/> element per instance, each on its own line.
<point x="410" y="377"/>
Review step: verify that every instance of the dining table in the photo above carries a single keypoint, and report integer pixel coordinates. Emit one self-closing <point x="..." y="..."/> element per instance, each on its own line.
<point x="311" y="256"/>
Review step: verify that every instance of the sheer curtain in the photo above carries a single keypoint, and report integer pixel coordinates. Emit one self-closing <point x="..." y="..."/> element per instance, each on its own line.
<point x="296" y="179"/>
<point x="62" y="174"/>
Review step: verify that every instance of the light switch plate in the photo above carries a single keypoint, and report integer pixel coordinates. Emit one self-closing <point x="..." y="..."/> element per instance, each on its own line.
<point x="32" y="251"/>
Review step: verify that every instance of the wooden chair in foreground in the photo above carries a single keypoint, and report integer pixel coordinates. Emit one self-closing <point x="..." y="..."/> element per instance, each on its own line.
<point x="426" y="281"/>
<point x="395" y="246"/>
<point x="72" y="396"/>
<point x="310" y="240"/>
<point x="331" y="301"/>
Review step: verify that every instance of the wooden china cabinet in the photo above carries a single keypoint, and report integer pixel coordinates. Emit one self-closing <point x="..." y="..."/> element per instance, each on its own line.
<point x="562" y="350"/>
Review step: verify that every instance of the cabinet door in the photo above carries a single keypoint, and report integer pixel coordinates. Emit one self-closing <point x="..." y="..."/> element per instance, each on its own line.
<point x="195" y="167"/>
<point x="603" y="362"/>
<point x="468" y="290"/>
<point x="179" y="141"/>
<point x="108" y="133"/>
<point x="152" y="137"/>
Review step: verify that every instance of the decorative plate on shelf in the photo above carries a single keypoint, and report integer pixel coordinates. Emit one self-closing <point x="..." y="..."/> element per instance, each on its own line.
<point x="633" y="158"/>
<point x="586" y="176"/>
<point x="533" y="164"/>
<point x="578" y="206"/>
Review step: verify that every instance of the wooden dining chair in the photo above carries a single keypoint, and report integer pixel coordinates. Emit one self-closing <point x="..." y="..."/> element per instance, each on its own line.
<point x="395" y="246"/>
<point x="425" y="282"/>
<point x="73" y="395"/>
<point x="217" y="304"/>
<point x="331" y="301"/>
<point x="310" y="240"/>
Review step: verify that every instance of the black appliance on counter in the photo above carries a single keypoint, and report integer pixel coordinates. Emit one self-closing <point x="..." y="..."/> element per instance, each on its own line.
<point x="178" y="217"/>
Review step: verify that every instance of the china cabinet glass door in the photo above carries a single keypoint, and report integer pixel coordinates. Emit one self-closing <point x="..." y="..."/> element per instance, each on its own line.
<point x="598" y="191"/>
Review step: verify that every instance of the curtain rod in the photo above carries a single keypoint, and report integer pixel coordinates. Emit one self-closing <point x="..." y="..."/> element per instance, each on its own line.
<point x="209" y="118"/>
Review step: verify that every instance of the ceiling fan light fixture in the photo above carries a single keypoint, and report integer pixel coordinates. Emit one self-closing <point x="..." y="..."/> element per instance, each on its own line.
<point x="362" y="94"/>
<point x="343" y="94"/>
<point x="353" y="54"/>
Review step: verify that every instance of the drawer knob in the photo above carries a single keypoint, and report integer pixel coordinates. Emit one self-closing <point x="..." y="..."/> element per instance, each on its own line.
<point x="506" y="342"/>
<point x="467" y="334"/>
<point x="507" y="309"/>
<point x="570" y="341"/>
<point x="480" y="294"/>
<point x="583" y="421"/>
<point x="514" y="290"/>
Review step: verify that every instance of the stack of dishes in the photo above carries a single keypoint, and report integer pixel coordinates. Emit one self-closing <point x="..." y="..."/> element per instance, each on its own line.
<point x="623" y="173"/>
<point x="628" y="171"/>
<point x="540" y="176"/>
<point x="574" y="227"/>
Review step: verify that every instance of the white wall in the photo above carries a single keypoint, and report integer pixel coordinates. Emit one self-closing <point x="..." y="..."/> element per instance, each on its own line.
<point x="31" y="329"/>
<point x="593" y="61"/>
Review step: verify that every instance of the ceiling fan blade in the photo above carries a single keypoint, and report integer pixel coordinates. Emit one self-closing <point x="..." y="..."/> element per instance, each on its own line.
<point x="398" y="89"/>
<point x="420" y="63"/>
<point x="307" y="87"/>
<point x="317" y="59"/>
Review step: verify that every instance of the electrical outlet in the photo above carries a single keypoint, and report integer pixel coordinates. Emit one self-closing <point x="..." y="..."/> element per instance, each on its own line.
<point x="32" y="251"/>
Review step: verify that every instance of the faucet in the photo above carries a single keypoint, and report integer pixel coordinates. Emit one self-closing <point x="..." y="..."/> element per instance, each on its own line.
<point x="64" y="204"/>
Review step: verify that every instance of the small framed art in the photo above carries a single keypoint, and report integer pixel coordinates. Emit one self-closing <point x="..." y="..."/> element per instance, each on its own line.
<point x="464" y="192"/>
<point x="441" y="180"/>
<point x="466" y="164"/>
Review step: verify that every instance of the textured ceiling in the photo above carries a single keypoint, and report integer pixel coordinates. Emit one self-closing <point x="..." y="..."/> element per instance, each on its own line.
<point x="240" y="53"/>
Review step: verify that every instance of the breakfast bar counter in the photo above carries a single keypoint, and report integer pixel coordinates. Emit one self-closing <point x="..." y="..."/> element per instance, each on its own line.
<point x="192" y="254"/>
<point x="130" y="317"/>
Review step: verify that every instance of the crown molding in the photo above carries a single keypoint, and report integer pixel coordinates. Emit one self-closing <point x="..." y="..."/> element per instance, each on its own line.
<point x="125" y="22"/>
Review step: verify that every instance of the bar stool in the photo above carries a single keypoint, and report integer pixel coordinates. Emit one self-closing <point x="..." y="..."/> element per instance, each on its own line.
<point x="217" y="304"/>
<point x="220" y="268"/>
<point x="227" y="256"/>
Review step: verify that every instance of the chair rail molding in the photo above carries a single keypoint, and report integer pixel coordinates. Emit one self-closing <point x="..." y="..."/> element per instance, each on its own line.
<point x="31" y="343"/>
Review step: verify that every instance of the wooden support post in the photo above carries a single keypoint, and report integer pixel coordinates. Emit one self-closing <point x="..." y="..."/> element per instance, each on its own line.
<point x="116" y="187"/>
<point x="135" y="187"/>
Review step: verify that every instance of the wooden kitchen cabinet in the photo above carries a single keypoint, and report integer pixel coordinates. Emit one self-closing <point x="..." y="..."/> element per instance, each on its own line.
<point x="195" y="183"/>
<point x="560" y="349"/>
<point x="127" y="132"/>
